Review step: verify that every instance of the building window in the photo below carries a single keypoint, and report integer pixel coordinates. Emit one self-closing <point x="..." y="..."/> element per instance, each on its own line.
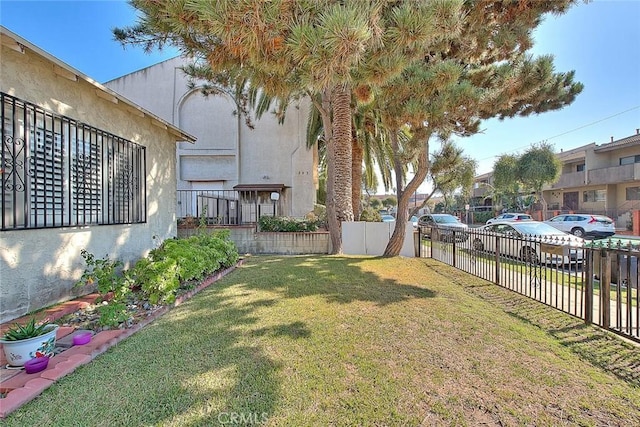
<point x="629" y="160"/>
<point x="633" y="193"/>
<point x="594" y="195"/>
<point x="580" y="168"/>
<point x="57" y="172"/>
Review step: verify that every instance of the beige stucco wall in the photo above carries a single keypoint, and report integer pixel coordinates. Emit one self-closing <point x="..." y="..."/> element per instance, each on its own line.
<point x="39" y="267"/>
<point x="605" y="159"/>
<point x="227" y="151"/>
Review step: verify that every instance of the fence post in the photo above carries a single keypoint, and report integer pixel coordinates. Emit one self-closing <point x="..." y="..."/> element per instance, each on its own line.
<point x="454" y="248"/>
<point x="497" y="260"/>
<point x="588" y="287"/>
<point x="605" y="288"/>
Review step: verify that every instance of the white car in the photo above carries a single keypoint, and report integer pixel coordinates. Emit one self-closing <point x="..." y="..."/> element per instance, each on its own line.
<point x="530" y="241"/>
<point x="510" y="216"/>
<point x="583" y="225"/>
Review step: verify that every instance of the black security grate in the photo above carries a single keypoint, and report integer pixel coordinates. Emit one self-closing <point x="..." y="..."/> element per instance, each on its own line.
<point x="58" y="172"/>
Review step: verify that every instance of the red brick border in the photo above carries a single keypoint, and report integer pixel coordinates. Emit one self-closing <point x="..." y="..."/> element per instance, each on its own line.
<point x="21" y="387"/>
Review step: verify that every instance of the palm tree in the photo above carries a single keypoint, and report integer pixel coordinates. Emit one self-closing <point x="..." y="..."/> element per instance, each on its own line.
<point x="370" y="151"/>
<point x="321" y="49"/>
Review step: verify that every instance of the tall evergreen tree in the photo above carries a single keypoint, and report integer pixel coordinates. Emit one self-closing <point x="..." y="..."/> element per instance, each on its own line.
<point x="327" y="48"/>
<point x="482" y="71"/>
<point x="446" y="64"/>
<point x="506" y="183"/>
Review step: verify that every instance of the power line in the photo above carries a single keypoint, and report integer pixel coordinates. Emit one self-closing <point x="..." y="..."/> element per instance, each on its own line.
<point x="569" y="131"/>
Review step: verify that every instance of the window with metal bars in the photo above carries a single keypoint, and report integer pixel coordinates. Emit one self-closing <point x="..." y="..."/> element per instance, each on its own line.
<point x="58" y="172"/>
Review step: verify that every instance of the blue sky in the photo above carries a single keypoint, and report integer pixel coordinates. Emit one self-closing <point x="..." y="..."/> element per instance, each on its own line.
<point x="599" y="40"/>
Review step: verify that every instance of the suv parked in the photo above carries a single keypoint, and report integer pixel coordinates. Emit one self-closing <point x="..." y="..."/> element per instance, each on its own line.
<point x="510" y="216"/>
<point x="582" y="225"/>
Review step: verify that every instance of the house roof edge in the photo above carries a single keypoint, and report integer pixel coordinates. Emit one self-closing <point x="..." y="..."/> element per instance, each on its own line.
<point x="22" y="43"/>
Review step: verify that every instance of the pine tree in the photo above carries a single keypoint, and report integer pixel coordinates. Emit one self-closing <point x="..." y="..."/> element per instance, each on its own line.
<point x="467" y="58"/>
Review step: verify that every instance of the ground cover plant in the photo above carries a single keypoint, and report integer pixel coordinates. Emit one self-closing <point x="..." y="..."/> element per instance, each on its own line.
<point x="327" y="340"/>
<point x="128" y="296"/>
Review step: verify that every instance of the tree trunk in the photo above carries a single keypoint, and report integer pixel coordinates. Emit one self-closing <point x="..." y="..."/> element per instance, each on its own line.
<point x="356" y="176"/>
<point x="341" y="107"/>
<point x="335" y="232"/>
<point x="404" y="195"/>
<point x="545" y="207"/>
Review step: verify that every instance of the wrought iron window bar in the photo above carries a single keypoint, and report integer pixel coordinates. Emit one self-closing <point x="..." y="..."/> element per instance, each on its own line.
<point x="58" y="172"/>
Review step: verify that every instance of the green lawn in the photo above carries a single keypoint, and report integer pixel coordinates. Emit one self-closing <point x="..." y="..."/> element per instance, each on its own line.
<point x="322" y="340"/>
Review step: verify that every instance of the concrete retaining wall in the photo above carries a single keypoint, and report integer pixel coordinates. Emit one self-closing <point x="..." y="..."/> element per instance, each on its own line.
<point x="358" y="238"/>
<point x="250" y="241"/>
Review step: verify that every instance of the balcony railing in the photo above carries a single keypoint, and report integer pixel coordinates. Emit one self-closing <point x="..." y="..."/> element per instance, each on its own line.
<point x="481" y="191"/>
<point x="613" y="175"/>
<point x="570" y="180"/>
<point x="223" y="207"/>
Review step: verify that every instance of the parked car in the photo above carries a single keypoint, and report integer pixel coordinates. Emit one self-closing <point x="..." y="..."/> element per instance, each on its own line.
<point x="446" y="225"/>
<point x="530" y="241"/>
<point x="583" y="225"/>
<point x="388" y="218"/>
<point x="510" y="216"/>
<point x="625" y="252"/>
<point x="414" y="221"/>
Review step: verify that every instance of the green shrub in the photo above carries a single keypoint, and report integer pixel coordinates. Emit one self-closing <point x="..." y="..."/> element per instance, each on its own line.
<point x="104" y="273"/>
<point x="319" y="215"/>
<point x="112" y="314"/>
<point x="286" y="224"/>
<point x="159" y="275"/>
<point x="482" y="217"/>
<point x="181" y="260"/>
<point x="158" y="279"/>
<point x="370" y="214"/>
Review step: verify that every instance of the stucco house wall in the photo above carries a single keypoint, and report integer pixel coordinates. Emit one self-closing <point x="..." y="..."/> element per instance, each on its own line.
<point x="228" y="152"/>
<point x="38" y="267"/>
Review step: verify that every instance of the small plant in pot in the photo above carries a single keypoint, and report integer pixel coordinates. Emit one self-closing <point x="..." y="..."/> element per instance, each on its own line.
<point x="25" y="342"/>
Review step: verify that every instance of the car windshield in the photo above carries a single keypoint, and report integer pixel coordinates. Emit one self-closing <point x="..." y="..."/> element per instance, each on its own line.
<point x="445" y="219"/>
<point x="537" y="229"/>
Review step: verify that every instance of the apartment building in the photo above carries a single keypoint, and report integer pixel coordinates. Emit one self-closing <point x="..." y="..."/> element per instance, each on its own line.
<point x="268" y="164"/>
<point x="595" y="178"/>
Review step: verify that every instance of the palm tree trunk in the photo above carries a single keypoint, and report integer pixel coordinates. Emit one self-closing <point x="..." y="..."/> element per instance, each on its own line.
<point x="335" y="232"/>
<point x="356" y="176"/>
<point x="342" y="182"/>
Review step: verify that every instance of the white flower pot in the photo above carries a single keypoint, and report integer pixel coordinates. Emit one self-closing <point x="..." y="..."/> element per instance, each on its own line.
<point x="19" y="352"/>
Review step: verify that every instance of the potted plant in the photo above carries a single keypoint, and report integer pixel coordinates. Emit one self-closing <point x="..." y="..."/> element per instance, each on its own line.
<point x="25" y="342"/>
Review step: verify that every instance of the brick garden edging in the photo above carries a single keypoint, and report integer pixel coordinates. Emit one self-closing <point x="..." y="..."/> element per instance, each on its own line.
<point x="20" y="387"/>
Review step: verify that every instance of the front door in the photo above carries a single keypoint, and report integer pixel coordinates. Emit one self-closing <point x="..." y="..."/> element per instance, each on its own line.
<point x="570" y="201"/>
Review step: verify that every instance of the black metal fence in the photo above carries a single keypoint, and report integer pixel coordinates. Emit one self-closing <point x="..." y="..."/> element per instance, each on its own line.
<point x="596" y="280"/>
<point x="224" y="207"/>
